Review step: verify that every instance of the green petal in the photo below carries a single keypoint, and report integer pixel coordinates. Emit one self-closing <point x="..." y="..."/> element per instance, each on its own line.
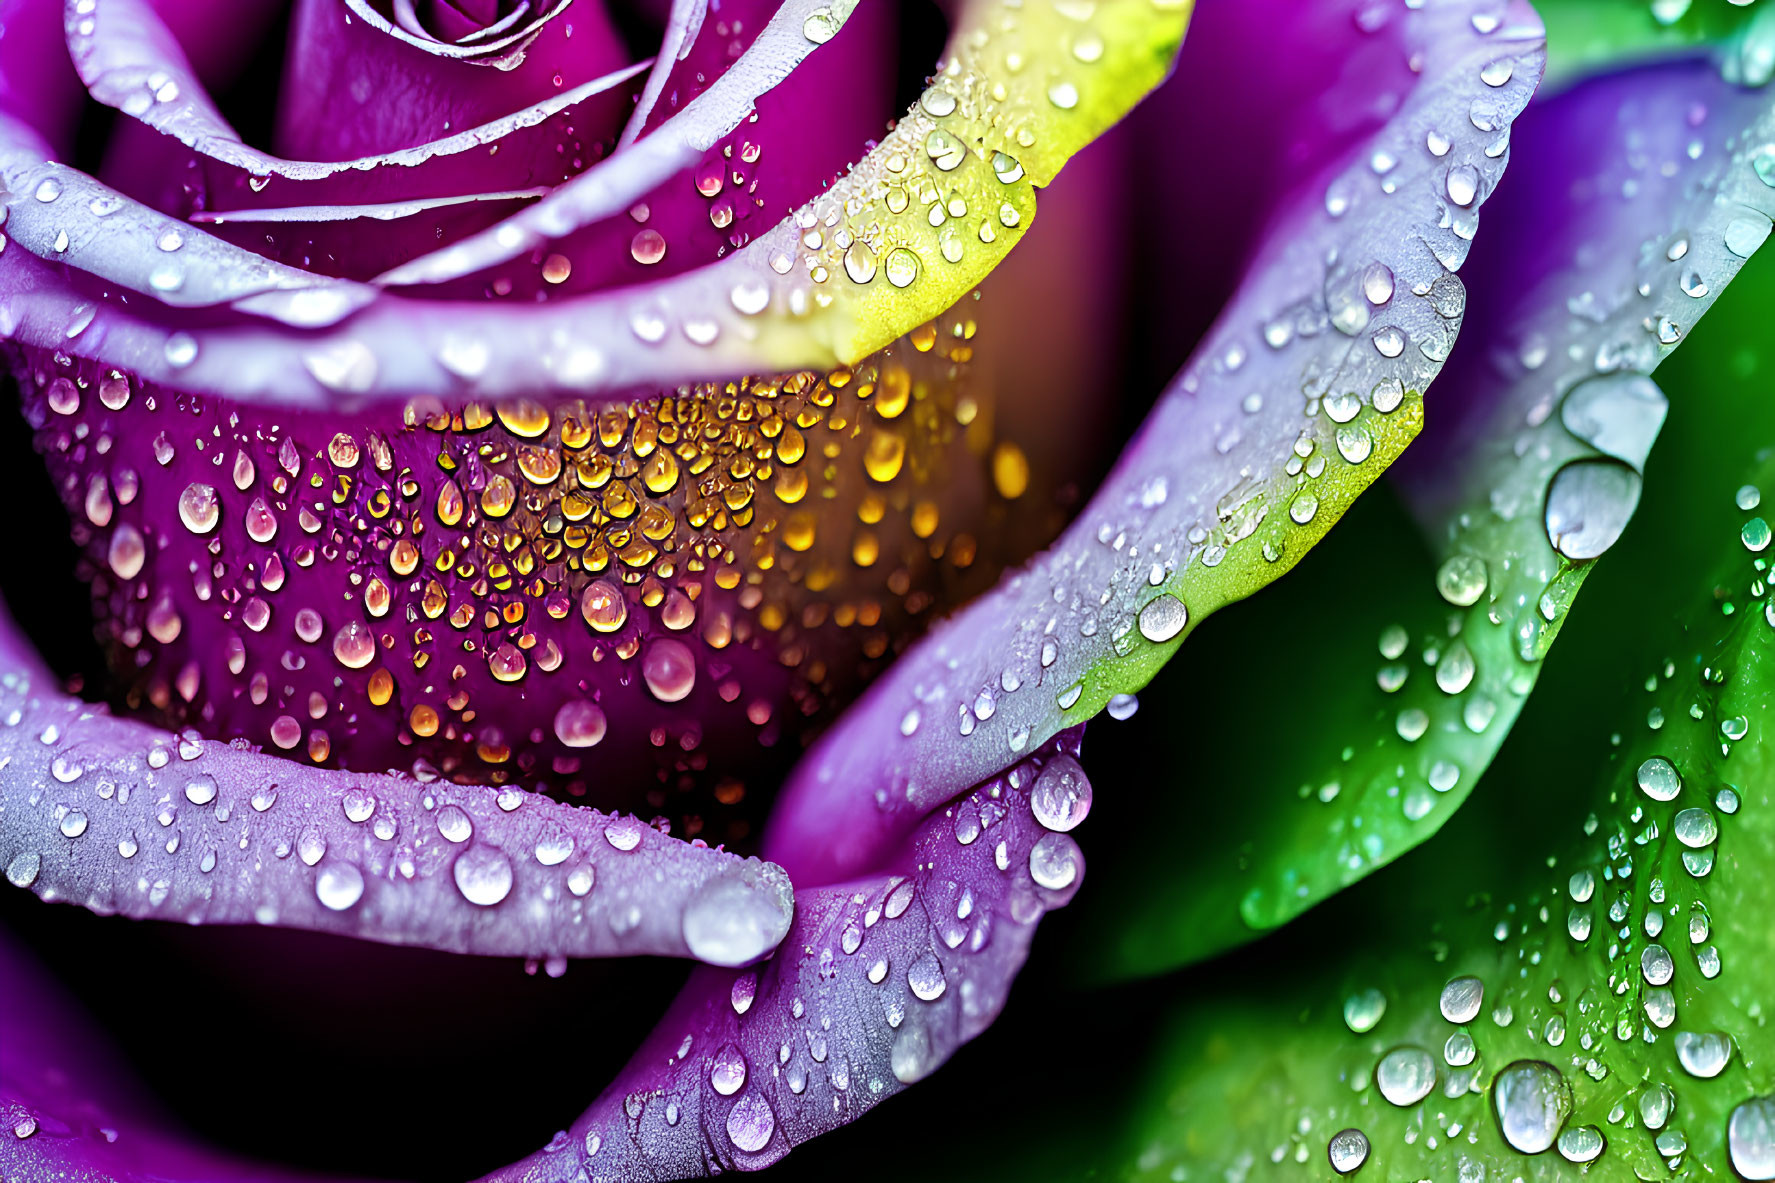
<point x="1621" y="934"/>
<point x="1427" y="656"/>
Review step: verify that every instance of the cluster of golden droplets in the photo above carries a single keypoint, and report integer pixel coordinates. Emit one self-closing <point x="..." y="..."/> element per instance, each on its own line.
<point x="813" y="520"/>
<point x="789" y="491"/>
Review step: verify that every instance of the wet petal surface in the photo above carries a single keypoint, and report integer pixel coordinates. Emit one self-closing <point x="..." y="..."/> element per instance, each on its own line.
<point x="1234" y="475"/>
<point x="123" y="818"/>
<point x="1606" y="251"/>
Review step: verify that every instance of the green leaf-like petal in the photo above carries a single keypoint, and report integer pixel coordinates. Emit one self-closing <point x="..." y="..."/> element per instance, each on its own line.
<point x="1621" y="234"/>
<point x="1620" y="934"/>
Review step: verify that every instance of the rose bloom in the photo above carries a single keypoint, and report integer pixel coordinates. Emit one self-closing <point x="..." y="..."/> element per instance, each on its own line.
<point x="555" y="480"/>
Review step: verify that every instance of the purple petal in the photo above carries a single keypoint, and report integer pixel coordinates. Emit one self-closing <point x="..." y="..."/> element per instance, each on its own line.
<point x="61" y="213"/>
<point x="130" y="60"/>
<point x="795" y="143"/>
<point x="1600" y="265"/>
<point x="613" y="601"/>
<point x="121" y="817"/>
<point x="1228" y="483"/>
<point x="879" y="981"/>
<point x="760" y="309"/>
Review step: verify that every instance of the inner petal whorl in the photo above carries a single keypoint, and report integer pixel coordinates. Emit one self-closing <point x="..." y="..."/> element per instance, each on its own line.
<point x="622" y="601"/>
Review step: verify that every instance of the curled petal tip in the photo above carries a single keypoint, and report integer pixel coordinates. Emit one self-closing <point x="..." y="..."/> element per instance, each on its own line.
<point x="739" y="916"/>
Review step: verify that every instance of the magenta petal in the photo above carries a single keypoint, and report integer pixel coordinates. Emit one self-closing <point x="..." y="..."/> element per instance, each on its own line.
<point x="795" y="144"/>
<point x="37" y="87"/>
<point x="879" y="981"/>
<point x="1213" y="460"/>
<point x="675" y="146"/>
<point x="198" y="165"/>
<point x="121" y="817"/>
<point x="352" y="88"/>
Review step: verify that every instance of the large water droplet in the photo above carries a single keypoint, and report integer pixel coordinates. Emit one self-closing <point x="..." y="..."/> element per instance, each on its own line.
<point x="750" y="1123"/>
<point x="1054" y="861"/>
<point x="926" y="978"/>
<point x="1619" y="414"/>
<point x="732" y="922"/>
<point x="1704" y="1054"/>
<point x="1348" y="1150"/>
<point x="483" y="875"/>
<point x="1461" y="999"/>
<point x="1582" y="1143"/>
<point x="1405" y="1075"/>
<point x="1658" y="779"/>
<point x="1750" y="1138"/>
<point x="727" y="1071"/>
<point x="1363" y="1009"/>
<point x="1532" y="1100"/>
<point x="1061" y="797"/>
<point x="1589" y="505"/>
<point x="339" y="886"/>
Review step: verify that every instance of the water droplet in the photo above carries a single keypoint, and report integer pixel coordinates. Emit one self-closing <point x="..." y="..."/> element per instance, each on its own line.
<point x="1463" y="185"/>
<point x="1588" y="506"/>
<point x="1703" y="1054"/>
<point x="624" y="833"/>
<point x="730" y="922"/>
<point x="1363" y="1009"/>
<point x="1532" y="1101"/>
<point x="1461" y="999"/>
<point x="1405" y="1075"/>
<point x="1745" y="235"/>
<point x="1695" y="828"/>
<point x="339" y="886"/>
<point x="1583" y="1143"/>
<point x="22" y="870"/>
<point x="483" y="875"/>
<point x="1061" y="797"/>
<point x="1656" y="965"/>
<point x="925" y="978"/>
<point x="669" y="668"/>
<point x="1619" y="414"/>
<point x="1163" y="618"/>
<point x="199" y="508"/>
<point x="1348" y="1151"/>
<point x="1750" y="1138"/>
<point x="1658" y="779"/>
<point x="750" y="1123"/>
<point x="727" y="1071"/>
<point x="1655" y="1105"/>
<point x="1462" y="579"/>
<point x="579" y="724"/>
<point x="1054" y="861"/>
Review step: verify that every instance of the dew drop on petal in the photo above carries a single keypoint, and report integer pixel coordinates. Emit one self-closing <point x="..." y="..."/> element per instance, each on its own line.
<point x="339" y="886"/>
<point x="483" y="875"/>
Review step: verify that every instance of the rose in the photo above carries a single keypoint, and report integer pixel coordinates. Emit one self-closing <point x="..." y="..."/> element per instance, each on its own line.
<point x="1224" y="489"/>
<point x="486" y="224"/>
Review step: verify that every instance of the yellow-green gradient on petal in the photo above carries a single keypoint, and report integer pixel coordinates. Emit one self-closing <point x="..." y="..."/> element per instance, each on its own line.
<point x="952" y="188"/>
